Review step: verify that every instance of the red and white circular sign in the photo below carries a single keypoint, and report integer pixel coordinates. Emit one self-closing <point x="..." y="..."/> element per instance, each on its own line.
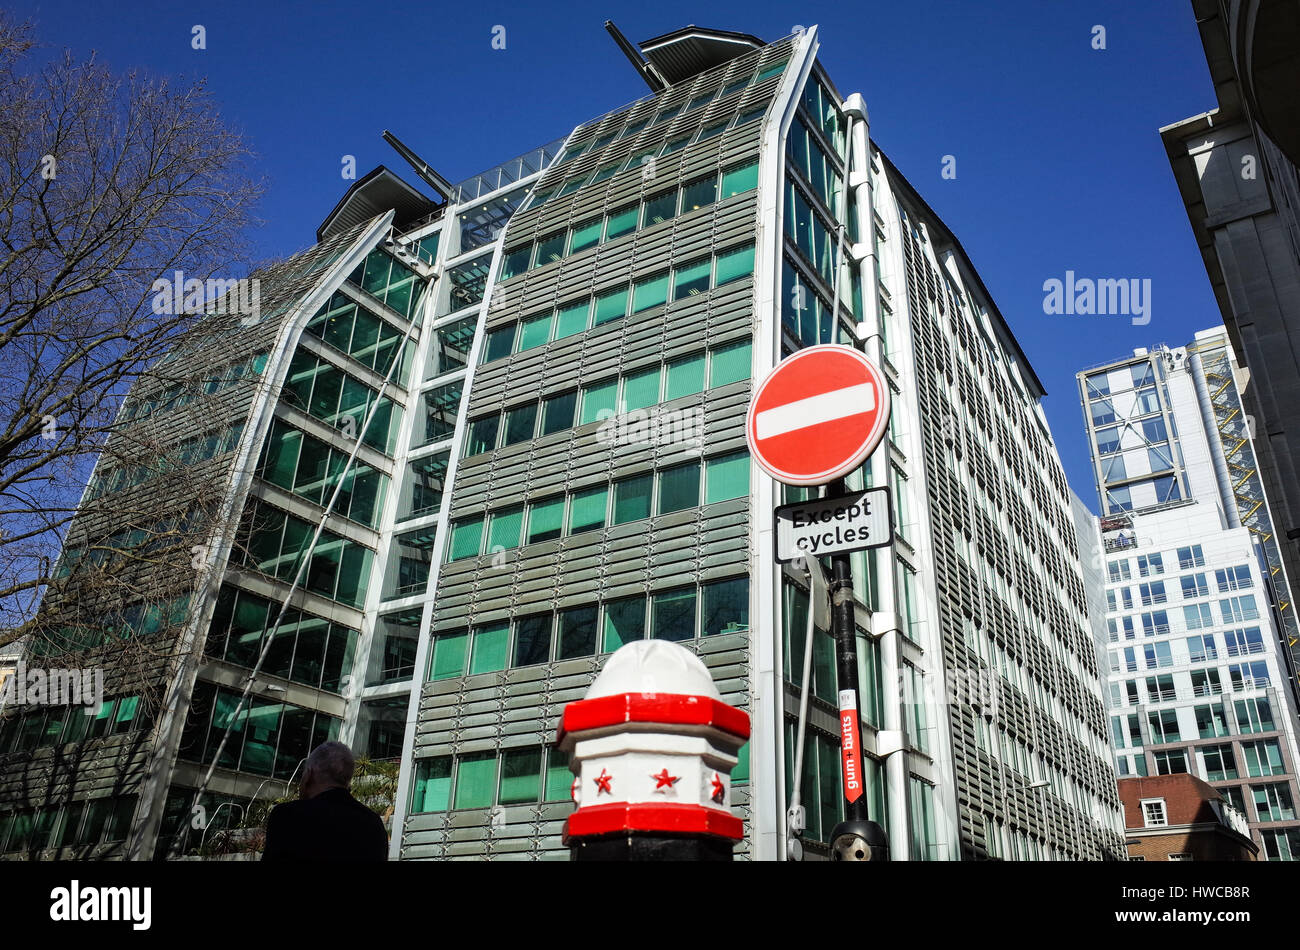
<point x="817" y="415"/>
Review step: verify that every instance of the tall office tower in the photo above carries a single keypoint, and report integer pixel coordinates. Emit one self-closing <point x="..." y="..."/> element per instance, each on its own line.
<point x="1195" y="640"/>
<point x="600" y="489"/>
<point x="1236" y="169"/>
<point x="558" y="354"/>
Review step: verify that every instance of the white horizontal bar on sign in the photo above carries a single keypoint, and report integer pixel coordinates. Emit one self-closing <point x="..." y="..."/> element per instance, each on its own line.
<point x="824" y="407"/>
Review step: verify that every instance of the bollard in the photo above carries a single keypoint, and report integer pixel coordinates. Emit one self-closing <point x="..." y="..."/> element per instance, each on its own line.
<point x="652" y="746"/>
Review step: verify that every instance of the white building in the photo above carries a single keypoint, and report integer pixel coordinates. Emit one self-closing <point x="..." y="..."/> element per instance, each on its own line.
<point x="1198" y="676"/>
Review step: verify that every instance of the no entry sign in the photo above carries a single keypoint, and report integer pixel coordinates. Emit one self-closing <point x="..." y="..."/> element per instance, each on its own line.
<point x="817" y="415"/>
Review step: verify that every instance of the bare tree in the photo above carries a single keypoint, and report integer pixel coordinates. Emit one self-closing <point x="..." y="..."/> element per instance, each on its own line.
<point x="108" y="184"/>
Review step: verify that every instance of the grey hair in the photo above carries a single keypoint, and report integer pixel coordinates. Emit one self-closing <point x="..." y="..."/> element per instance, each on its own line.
<point x="332" y="763"/>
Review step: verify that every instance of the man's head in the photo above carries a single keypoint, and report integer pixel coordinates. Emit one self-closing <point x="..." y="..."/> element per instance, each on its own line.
<point x="329" y="766"/>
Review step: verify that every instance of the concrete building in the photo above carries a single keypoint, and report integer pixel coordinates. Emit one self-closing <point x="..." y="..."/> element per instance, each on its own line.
<point x="1198" y="675"/>
<point x="1181" y="818"/>
<point x="522" y="404"/>
<point x="1236" y="170"/>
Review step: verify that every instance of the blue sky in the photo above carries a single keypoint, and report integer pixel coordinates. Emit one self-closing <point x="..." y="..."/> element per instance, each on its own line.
<point x="1058" y="159"/>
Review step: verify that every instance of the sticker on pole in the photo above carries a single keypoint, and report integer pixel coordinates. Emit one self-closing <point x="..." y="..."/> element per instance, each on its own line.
<point x="817" y="415"/>
<point x="850" y="748"/>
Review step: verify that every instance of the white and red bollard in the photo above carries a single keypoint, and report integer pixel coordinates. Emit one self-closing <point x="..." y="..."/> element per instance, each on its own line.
<point x="652" y="746"/>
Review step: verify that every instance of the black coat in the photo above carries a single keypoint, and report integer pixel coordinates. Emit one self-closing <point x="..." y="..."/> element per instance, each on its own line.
<point x="331" y="826"/>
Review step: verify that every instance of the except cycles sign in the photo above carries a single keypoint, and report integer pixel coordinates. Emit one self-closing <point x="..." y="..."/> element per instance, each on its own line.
<point x="817" y="415"/>
<point x="834" y="525"/>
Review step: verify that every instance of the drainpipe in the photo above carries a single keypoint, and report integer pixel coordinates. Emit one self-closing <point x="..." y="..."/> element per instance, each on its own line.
<point x="891" y="740"/>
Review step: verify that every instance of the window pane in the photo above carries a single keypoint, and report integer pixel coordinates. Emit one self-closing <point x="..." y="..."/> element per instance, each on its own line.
<point x="577" y="633"/>
<point x="621" y="222"/>
<point x="624" y="622"/>
<point x="432" y="785"/>
<point x="674" y="615"/>
<point x="632" y="499"/>
<point x="532" y="640"/>
<point x="729" y="364"/>
<point x="559" y="780"/>
<point x="550" y="249"/>
<point x="699" y="194"/>
<point x="521" y="772"/>
<point x="659" y="208"/>
<point x="449" y="656"/>
<point x="691" y="279"/>
<point x="597" y="397"/>
<point x="545" y="519"/>
<point x="738" y="180"/>
<point x="585" y="235"/>
<point x="488" y="652"/>
<point x="476" y="780"/>
<point x="482" y="435"/>
<point x="534" y="332"/>
<point x="516" y="261"/>
<point x="734" y="264"/>
<point x="610" y="306"/>
<point x="685" y="377"/>
<point x="504" y="530"/>
<point x="650" y="293"/>
<point x="641" y="390"/>
<point x="572" y="319"/>
<point x="466" y="538"/>
<point x="726" y="477"/>
<point x="520" y="423"/>
<point x="679" y="488"/>
<point x="557" y="412"/>
<point x="587" y="510"/>
<point x="725" y="607"/>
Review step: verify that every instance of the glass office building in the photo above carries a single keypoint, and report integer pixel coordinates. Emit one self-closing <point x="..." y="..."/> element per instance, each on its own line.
<point x="1198" y="607"/>
<point x="523" y="407"/>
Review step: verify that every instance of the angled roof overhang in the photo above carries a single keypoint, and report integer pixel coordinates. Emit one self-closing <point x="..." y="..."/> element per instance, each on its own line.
<point x="374" y="193"/>
<point x="691" y="50"/>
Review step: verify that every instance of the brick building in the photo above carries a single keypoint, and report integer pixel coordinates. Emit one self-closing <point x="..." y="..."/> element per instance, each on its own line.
<point x="1181" y="818"/>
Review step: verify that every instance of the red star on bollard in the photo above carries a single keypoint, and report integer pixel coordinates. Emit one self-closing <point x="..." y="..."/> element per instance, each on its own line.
<point x="663" y="778"/>
<point x="602" y="783"/>
<point x="719" y="790"/>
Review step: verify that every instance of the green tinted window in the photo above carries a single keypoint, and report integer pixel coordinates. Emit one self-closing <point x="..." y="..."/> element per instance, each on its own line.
<point x="729" y="364"/>
<point x="572" y="319"/>
<point x="448" y="656"/>
<point x="699" y="194"/>
<point x="691" y="279"/>
<point x="432" y="785"/>
<point x="624" y="622"/>
<point x="559" y="780"/>
<point x="577" y="633"/>
<point x="724" y="607"/>
<point x="641" y="390"/>
<point x="659" y="208"/>
<point x="488" y="651"/>
<point x="685" y="377"/>
<point x="587" y="509"/>
<point x="545" y="519"/>
<point x="585" y="235"/>
<point x="734" y="264"/>
<point x="726" y="477"/>
<point x="482" y="435"/>
<point x="521" y="771"/>
<point x="534" y="332"/>
<point x="476" y="780"/>
<point x="621" y="222"/>
<point x="521" y="421"/>
<point x="674" y="615"/>
<point x="632" y="499"/>
<point x="466" y="538"/>
<point x="549" y="249"/>
<point x="557" y="412"/>
<point x="596" y="398"/>
<point x="516" y="261"/>
<point x="650" y="292"/>
<point x="503" y="532"/>
<point x="679" y="488"/>
<point x="610" y="306"/>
